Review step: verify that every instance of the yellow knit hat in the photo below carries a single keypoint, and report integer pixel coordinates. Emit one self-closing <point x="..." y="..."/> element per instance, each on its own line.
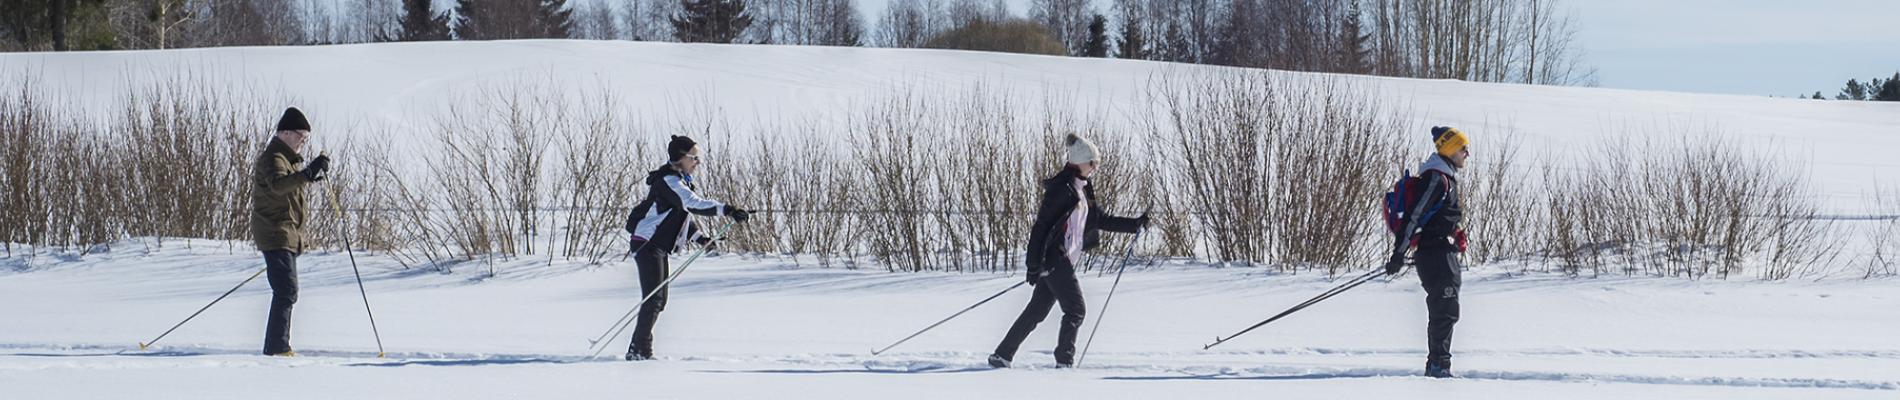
<point x="1449" y="140"/>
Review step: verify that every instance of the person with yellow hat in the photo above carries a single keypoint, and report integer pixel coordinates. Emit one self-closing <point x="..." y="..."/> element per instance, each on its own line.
<point x="1432" y="225"/>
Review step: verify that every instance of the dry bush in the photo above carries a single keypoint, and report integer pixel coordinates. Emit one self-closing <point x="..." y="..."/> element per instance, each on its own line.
<point x="491" y="160"/>
<point x="1501" y="201"/>
<point x="29" y="131"/>
<point x="890" y="148"/>
<point x="173" y="161"/>
<point x="1016" y="36"/>
<point x="1883" y="238"/>
<point x="600" y="168"/>
<point x="1277" y="171"/>
<point x="808" y="210"/>
<point x="1685" y="203"/>
<point x="188" y="145"/>
<point x="356" y="202"/>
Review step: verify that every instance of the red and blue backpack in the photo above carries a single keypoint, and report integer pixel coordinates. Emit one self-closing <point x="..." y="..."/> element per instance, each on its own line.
<point x="1406" y="193"/>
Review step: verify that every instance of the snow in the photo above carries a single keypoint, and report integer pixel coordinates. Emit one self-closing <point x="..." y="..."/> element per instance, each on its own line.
<point x="743" y="327"/>
<point x="740" y="327"/>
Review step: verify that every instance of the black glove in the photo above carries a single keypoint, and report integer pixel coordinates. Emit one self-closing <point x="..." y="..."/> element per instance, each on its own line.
<point x="1035" y="277"/>
<point x="706" y="242"/>
<point x="738" y="214"/>
<point x="316" y="169"/>
<point x="1393" y="267"/>
<point x="1142" y="221"/>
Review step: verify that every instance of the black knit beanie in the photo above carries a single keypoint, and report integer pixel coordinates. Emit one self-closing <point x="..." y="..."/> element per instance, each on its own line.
<point x="293" y="121"/>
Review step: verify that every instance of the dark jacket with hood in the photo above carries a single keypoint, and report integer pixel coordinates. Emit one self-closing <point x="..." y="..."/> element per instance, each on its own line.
<point x="1439" y="231"/>
<point x="1048" y="233"/>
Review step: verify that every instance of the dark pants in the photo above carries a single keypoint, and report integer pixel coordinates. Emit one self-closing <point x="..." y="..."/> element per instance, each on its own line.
<point x="1059" y="288"/>
<point x="1440" y="271"/>
<point x="653" y="269"/>
<point x="281" y="269"/>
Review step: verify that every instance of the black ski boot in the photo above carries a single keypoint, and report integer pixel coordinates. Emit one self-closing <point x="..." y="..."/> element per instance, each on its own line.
<point x="997" y="361"/>
<point x="639" y="355"/>
<point x="1441" y="369"/>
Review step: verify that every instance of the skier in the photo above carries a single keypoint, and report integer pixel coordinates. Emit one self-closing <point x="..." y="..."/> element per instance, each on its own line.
<point x="1440" y="243"/>
<point x="1066" y="225"/>
<point x="277" y="219"/>
<point x="660" y="225"/>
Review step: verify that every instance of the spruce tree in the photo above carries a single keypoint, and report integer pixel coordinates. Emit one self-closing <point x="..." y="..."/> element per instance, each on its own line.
<point x="420" y="22"/>
<point x="1097" y="45"/>
<point x="1889" y="90"/>
<point x="711" y="21"/>
<point x="1853" y="91"/>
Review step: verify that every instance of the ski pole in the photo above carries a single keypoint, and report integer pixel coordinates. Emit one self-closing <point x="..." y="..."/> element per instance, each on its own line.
<point x="234" y="289"/>
<point x="627" y="319"/>
<point x="1111" y="295"/>
<point x="334" y="205"/>
<point x="1335" y="291"/>
<point x="951" y="317"/>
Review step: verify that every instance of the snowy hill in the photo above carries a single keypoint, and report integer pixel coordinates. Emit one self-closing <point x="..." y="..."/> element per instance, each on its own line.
<point x="749" y="327"/>
<point x="401" y="84"/>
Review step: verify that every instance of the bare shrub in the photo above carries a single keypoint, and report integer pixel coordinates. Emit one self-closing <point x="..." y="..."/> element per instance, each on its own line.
<point x="1687" y="203"/>
<point x="599" y="170"/>
<point x="491" y="163"/>
<point x="1016" y="36"/>
<point x="1500" y="200"/>
<point x="1279" y="171"/>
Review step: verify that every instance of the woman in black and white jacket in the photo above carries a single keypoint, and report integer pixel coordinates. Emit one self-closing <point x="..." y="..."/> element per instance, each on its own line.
<point x="660" y="225"/>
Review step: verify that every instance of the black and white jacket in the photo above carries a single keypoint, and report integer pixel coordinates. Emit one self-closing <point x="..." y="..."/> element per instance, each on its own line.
<point x="1052" y="234"/>
<point x="661" y="218"/>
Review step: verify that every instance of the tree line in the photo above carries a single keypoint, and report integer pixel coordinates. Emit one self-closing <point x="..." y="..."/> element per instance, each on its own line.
<point x="1873" y="90"/>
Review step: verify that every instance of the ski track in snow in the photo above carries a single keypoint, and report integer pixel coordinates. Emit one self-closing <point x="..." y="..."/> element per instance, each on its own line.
<point x="961" y="362"/>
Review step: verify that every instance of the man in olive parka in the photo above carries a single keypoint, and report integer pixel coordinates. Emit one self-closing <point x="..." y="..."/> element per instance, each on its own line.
<point x="277" y="219"/>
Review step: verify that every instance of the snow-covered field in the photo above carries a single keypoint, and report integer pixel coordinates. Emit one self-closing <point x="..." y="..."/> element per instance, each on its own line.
<point x="764" y="328"/>
<point x="761" y="328"/>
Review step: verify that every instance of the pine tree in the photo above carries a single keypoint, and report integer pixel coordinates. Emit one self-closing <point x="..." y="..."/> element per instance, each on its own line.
<point x="711" y="21"/>
<point x="552" y="19"/>
<point x="33" y="23"/>
<point x="1355" y="53"/>
<point x="1853" y="91"/>
<point x="511" y="19"/>
<point x="1889" y="90"/>
<point x="1097" y="45"/>
<point x="420" y="22"/>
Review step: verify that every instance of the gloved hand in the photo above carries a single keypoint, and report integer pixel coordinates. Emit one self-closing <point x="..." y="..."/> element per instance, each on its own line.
<point x="706" y="242"/>
<point x="1393" y="266"/>
<point x="739" y="215"/>
<point x="1142" y="221"/>
<point x="1035" y="277"/>
<point x="316" y="169"/>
